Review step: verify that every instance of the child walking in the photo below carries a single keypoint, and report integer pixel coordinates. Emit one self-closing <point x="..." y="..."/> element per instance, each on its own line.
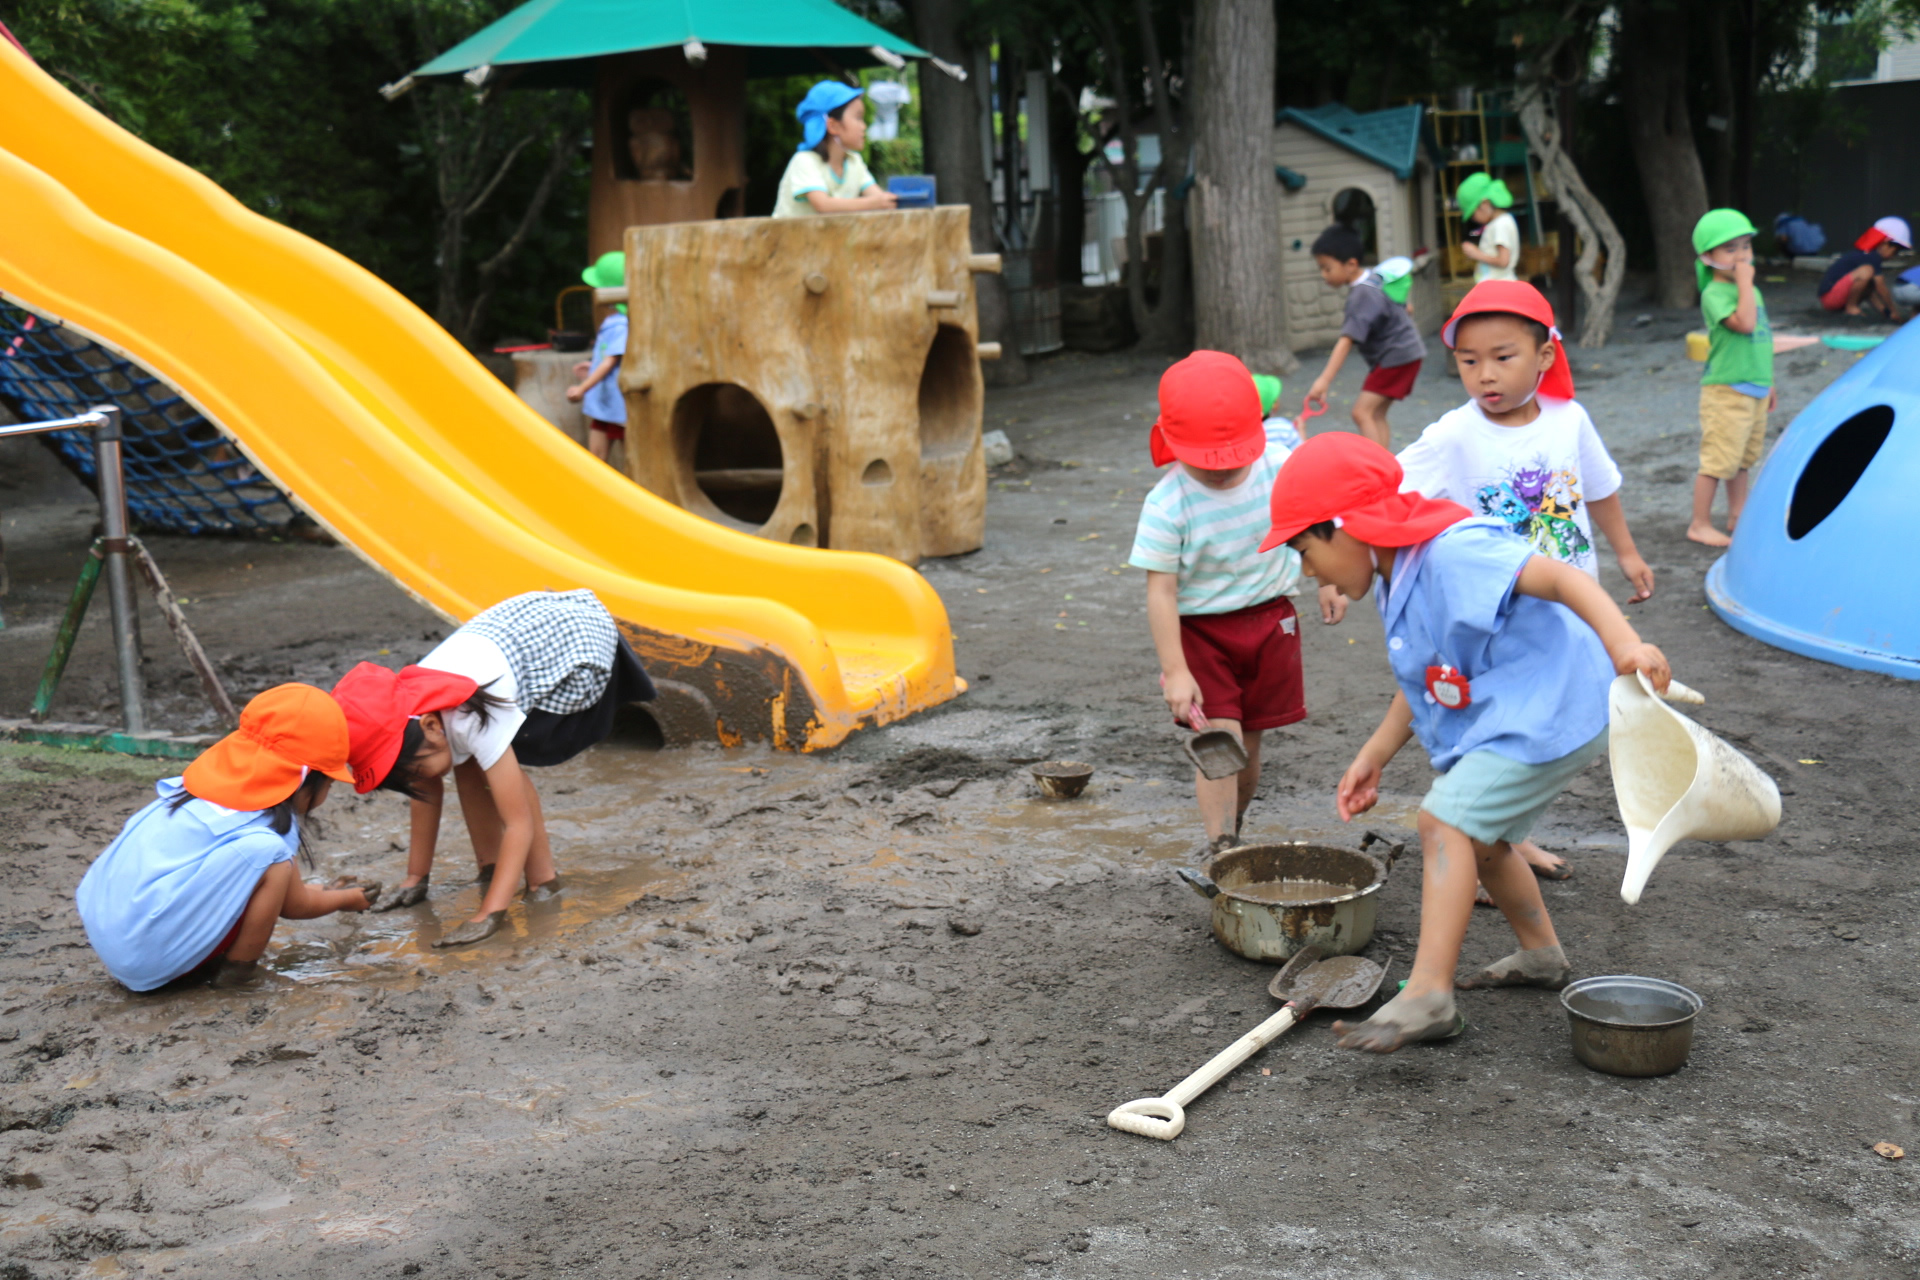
<point x="1523" y="451"/>
<point x="1226" y="635"/>
<point x="1736" y="391"/>
<point x="533" y="681"/>
<point x="598" y="391"/>
<point x="1378" y="327"/>
<point x="195" y="882"/>
<point x="1484" y="200"/>
<point x="1503" y="657"/>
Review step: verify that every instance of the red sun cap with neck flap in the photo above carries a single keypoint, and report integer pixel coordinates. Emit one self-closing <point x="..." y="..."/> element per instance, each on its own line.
<point x="378" y="703"/>
<point x="1517" y="297"/>
<point x="1209" y="414"/>
<point x="1337" y="475"/>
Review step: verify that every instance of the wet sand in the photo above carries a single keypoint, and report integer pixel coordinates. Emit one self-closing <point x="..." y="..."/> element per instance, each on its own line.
<point x="862" y="1013"/>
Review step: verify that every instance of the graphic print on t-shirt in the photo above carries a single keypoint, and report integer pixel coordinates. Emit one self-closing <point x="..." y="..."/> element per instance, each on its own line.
<point x="1538" y="503"/>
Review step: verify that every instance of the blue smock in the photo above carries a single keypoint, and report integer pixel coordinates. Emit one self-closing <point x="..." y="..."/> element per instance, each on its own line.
<point x="171" y="886"/>
<point x="603" y="399"/>
<point x="1538" y="675"/>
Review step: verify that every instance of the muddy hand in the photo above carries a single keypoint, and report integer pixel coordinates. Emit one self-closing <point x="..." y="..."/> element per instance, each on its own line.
<point x="1648" y="659"/>
<point x="406" y="895"/>
<point x="473" y="931"/>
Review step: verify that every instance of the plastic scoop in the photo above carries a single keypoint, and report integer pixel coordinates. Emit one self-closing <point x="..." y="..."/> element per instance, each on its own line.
<point x="1216" y="753"/>
<point x="1676" y="781"/>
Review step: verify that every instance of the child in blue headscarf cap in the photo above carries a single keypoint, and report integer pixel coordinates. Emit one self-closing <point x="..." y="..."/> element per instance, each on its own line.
<point x="827" y="175"/>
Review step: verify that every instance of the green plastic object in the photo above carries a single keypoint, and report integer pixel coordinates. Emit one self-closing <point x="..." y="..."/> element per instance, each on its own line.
<point x="1852" y="341"/>
<point x="68" y="633"/>
<point x="555" y="42"/>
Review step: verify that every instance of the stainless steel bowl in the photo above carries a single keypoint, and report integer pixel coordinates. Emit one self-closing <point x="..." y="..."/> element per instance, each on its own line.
<point x="1630" y="1026"/>
<point x="1062" y="779"/>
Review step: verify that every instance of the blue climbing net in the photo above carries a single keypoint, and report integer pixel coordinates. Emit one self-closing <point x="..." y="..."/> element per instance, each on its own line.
<point x="182" y="474"/>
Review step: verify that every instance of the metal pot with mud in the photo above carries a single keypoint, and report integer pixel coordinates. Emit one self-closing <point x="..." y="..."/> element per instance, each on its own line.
<point x="1270" y="900"/>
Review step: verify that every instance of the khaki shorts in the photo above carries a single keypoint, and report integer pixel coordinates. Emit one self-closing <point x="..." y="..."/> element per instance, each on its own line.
<point x="1732" y="429"/>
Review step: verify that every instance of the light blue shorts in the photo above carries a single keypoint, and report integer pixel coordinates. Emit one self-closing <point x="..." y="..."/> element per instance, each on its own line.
<point x="1494" y="798"/>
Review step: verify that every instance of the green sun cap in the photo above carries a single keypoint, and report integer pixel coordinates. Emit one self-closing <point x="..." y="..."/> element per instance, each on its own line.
<point x="1269" y="388"/>
<point x="609" y="271"/>
<point x="1482" y="186"/>
<point x="1717" y="227"/>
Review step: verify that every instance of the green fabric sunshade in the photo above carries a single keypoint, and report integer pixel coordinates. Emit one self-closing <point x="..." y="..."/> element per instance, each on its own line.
<point x="553" y="42"/>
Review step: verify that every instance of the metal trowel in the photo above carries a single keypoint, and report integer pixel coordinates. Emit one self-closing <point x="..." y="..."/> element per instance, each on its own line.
<point x="1216" y="753"/>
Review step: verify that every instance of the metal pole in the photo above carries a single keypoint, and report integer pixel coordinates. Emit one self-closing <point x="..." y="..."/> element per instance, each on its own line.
<point x="114" y="550"/>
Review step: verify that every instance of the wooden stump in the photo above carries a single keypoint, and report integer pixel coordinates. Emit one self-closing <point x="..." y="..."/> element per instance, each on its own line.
<point x="811" y="380"/>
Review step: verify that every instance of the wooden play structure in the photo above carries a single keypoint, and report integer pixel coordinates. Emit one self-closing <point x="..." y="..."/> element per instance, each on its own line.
<point x="812" y="380"/>
<point x="669" y="142"/>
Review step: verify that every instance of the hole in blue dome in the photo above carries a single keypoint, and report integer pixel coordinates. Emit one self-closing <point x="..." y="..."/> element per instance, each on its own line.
<point x="1835" y="467"/>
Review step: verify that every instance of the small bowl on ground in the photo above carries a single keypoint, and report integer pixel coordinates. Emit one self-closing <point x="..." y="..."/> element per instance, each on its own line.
<point x="1062" y="779"/>
<point x="1631" y="1026"/>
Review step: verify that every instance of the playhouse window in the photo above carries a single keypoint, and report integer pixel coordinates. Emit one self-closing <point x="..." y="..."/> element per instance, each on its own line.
<point x="653" y="134"/>
<point x="1353" y="209"/>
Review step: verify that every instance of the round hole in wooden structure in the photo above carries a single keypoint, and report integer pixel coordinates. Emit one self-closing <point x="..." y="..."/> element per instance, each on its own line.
<point x="877" y="473"/>
<point x="805" y="535"/>
<point x="949" y="394"/>
<point x="724" y="437"/>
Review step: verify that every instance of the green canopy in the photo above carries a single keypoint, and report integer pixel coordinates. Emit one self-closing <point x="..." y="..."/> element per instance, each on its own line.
<point x="551" y="43"/>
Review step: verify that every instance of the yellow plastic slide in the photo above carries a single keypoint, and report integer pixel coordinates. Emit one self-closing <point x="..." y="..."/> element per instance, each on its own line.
<point x="402" y="445"/>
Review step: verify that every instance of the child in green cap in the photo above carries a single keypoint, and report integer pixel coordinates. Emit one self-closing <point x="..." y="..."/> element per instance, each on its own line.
<point x="1484" y="199"/>
<point x="1736" y="391"/>
<point x="598" y="392"/>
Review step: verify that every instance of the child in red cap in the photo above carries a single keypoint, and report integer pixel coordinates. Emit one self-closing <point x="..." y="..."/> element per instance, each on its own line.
<point x="1522" y="449"/>
<point x="1226" y="634"/>
<point x="1503" y="657"/>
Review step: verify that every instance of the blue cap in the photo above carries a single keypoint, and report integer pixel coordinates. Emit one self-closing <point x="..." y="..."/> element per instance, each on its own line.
<point x="828" y="95"/>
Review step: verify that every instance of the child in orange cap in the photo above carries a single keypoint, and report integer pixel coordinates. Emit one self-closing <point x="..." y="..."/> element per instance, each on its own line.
<point x="197" y="878"/>
<point x="1522" y="450"/>
<point x="1503" y="657"/>
<point x="1227" y="636"/>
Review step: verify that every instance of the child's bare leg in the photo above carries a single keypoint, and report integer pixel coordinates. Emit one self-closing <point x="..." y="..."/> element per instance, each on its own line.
<point x="1248" y="778"/>
<point x="1370" y="416"/>
<point x="282" y="895"/>
<point x="1700" y="528"/>
<point x="1540" y="962"/>
<point x="1218" y="796"/>
<point x="1424" y="1008"/>
<point x="482" y="816"/>
<point x="541" y="871"/>
<point x="1736" y="499"/>
<point x="598" y="443"/>
<point x="1862" y="281"/>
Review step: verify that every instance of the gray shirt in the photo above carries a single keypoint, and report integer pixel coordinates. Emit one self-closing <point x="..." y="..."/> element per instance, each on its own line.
<point x="1380" y="327"/>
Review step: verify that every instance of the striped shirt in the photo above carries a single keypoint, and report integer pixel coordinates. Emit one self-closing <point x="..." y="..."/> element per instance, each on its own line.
<point x="1211" y="537"/>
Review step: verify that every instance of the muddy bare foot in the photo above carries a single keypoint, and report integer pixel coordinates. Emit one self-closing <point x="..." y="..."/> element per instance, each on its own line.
<point x="544" y="892"/>
<point x="406" y="895"/>
<point x="1403" y="1020"/>
<point x="1481" y="898"/>
<point x="1548" y="866"/>
<point x="1707" y="534"/>
<point x="473" y="931"/>
<point x="1542" y="967"/>
<point x="232" y="975"/>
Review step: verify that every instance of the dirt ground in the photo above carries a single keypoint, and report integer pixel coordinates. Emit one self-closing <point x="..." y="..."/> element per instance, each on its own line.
<point x="862" y="1013"/>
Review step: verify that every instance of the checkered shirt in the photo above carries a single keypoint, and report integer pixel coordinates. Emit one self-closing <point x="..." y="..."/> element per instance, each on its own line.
<point x="560" y="645"/>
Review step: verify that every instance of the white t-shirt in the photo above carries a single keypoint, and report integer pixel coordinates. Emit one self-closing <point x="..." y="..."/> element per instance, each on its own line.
<point x="1211" y="537"/>
<point x="1502" y="232"/>
<point x="808" y="172"/>
<point x="1538" y="478"/>
<point x="480" y="660"/>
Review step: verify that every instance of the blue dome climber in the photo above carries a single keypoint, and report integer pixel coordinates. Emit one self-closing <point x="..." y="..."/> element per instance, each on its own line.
<point x="1819" y="564"/>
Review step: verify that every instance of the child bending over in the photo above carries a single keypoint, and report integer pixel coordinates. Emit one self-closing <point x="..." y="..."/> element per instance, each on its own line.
<point x="1376" y="326"/>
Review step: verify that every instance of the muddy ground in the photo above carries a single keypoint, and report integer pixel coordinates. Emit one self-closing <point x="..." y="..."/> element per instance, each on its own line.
<point x="862" y="1013"/>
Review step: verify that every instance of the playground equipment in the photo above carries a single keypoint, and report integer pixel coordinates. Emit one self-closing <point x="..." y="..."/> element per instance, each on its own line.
<point x="1676" y="781"/>
<point x="1814" y="564"/>
<point x="398" y="442"/>
<point x="812" y="380"/>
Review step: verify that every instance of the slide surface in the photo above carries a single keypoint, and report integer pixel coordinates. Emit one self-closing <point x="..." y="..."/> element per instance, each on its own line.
<point x="401" y="444"/>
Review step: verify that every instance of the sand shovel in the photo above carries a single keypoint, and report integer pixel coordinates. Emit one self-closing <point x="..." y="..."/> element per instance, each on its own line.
<point x="1307" y="983"/>
<point x="1216" y="753"/>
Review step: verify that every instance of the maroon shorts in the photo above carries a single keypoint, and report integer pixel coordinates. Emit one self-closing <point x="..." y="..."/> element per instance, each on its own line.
<point x="1247" y="664"/>
<point x="611" y="430"/>
<point x="1394" y="381"/>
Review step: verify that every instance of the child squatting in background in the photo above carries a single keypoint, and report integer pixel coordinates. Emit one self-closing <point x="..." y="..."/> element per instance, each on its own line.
<point x="1227" y="637"/>
<point x="1379" y="327"/>
<point x="1857" y="276"/>
<point x="827" y="175"/>
<point x="533" y="681"/>
<point x="195" y="882"/>
<point x="598" y="391"/>
<point x="1736" y="389"/>
<point x="1503" y="658"/>
<point x="1522" y="450"/>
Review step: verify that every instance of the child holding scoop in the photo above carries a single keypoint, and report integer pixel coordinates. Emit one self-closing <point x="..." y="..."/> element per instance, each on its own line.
<point x="1503" y="657"/>
<point x="1226" y="634"/>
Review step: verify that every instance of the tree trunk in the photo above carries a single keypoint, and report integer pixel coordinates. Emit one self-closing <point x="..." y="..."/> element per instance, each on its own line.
<point x="1239" y="305"/>
<point x="1653" y="60"/>
<point x="1545" y="137"/>
<point x="950" y="128"/>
